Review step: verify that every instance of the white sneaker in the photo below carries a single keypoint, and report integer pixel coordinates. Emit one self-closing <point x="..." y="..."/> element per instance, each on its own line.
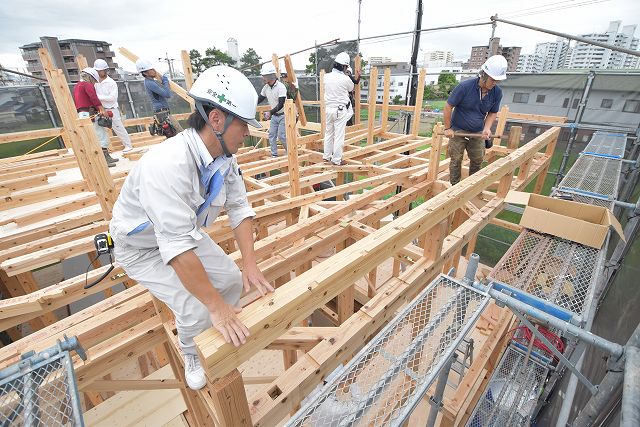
<point x="127" y="149"/>
<point x="193" y="372"/>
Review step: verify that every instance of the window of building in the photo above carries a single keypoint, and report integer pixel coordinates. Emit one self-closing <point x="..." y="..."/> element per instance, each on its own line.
<point x="540" y="98"/>
<point x="400" y="83"/>
<point x="575" y="103"/>
<point x="631" y="106"/>
<point x="520" y="98"/>
<point x="565" y="104"/>
<point x="606" y="103"/>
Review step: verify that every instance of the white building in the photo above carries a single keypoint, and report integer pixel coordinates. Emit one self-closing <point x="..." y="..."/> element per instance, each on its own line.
<point x="444" y="56"/>
<point x="532" y="63"/>
<point x="397" y="84"/>
<point x="590" y="56"/>
<point x="554" y="54"/>
<point x="373" y="60"/>
<point x="232" y="49"/>
<point x="434" y="72"/>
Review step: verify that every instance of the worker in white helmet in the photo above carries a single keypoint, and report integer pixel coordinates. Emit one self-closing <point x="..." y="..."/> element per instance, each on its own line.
<point x="472" y="107"/>
<point x="107" y="90"/>
<point x="338" y="109"/>
<point x="174" y="191"/>
<point x="157" y="88"/>
<point x="88" y="105"/>
<point x="275" y="92"/>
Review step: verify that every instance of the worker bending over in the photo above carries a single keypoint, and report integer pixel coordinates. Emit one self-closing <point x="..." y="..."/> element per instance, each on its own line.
<point x="173" y="191"/>
<point x="472" y="107"/>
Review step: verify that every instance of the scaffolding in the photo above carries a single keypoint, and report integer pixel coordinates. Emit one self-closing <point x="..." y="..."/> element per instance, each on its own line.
<point x="384" y="383"/>
<point x="563" y="273"/>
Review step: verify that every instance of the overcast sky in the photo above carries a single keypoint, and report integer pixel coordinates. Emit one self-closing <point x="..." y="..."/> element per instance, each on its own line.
<point x="151" y="28"/>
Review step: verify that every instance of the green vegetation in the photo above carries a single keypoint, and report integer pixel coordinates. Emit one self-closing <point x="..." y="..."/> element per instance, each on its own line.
<point x="18" y="148"/>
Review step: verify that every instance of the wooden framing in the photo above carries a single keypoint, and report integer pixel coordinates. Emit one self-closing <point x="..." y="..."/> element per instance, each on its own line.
<point x="296" y="226"/>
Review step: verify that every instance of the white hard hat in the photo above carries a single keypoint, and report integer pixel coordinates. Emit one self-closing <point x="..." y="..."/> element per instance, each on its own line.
<point x="100" y="65"/>
<point x="267" y="69"/>
<point x="495" y="67"/>
<point x="228" y="89"/>
<point x="342" y="58"/>
<point x="143" y="65"/>
<point x="93" y="73"/>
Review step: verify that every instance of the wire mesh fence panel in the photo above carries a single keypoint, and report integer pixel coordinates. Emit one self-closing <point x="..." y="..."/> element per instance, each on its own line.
<point x="41" y="395"/>
<point x="386" y="380"/>
<point x="607" y="144"/>
<point x="512" y="392"/>
<point x="551" y="268"/>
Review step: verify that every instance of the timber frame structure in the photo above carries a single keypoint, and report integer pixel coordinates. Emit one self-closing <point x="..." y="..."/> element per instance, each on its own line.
<point x="391" y="205"/>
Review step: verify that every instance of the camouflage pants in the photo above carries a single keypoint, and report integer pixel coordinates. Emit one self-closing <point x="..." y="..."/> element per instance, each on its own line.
<point x="475" y="151"/>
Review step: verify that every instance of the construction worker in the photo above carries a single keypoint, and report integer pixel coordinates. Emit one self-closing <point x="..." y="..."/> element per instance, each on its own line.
<point x="472" y="107"/>
<point x="338" y="109"/>
<point x="171" y="193"/>
<point x="107" y="91"/>
<point x="157" y="87"/>
<point x="275" y="92"/>
<point x="88" y="105"/>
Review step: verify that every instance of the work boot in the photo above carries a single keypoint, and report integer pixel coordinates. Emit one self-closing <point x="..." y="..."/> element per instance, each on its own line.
<point x="193" y="372"/>
<point x="107" y="157"/>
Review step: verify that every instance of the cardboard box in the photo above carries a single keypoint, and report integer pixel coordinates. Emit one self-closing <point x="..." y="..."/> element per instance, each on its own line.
<point x="578" y="222"/>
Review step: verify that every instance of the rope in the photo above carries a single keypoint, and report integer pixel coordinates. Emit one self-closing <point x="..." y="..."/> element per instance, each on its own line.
<point x="40" y="146"/>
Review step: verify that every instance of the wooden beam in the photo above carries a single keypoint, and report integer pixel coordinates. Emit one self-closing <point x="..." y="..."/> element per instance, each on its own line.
<point x="373" y="95"/>
<point x="289" y="304"/>
<point x="415" y="126"/>
<point x="230" y="401"/>
<point x="357" y="66"/>
<point x="187" y="69"/>
<point x="384" y="116"/>
<point x="122" y="385"/>
<point x="292" y="148"/>
<point x="323" y="107"/>
<point x="502" y="122"/>
<point x="291" y="78"/>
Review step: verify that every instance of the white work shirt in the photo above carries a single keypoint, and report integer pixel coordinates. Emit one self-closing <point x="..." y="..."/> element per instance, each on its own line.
<point x="337" y="86"/>
<point x="274" y="93"/>
<point x="107" y="91"/>
<point x="158" y="202"/>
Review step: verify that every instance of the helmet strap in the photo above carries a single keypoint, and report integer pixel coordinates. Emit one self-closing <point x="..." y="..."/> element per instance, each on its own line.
<point x="219" y="135"/>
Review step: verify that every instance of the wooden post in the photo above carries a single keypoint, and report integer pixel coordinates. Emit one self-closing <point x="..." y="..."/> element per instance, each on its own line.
<point x="323" y="107"/>
<point x="82" y="62"/>
<point x="435" y="239"/>
<point x="373" y="95"/>
<point x="292" y="147"/>
<point x="276" y="64"/>
<point x="542" y="175"/>
<point x="514" y="137"/>
<point x="230" y="401"/>
<point x="291" y="78"/>
<point x="384" y="116"/>
<point x="505" y="185"/>
<point x="91" y="153"/>
<point x="357" y="65"/>
<point x="502" y="122"/>
<point x="186" y="68"/>
<point x="434" y="156"/>
<point x="415" y="126"/>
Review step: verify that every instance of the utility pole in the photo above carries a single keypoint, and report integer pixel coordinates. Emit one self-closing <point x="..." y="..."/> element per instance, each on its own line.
<point x="169" y="62"/>
<point x="359" y="21"/>
<point x="412" y="88"/>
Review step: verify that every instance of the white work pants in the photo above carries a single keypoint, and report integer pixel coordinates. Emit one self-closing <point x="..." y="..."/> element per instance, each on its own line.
<point x="118" y="127"/>
<point x="336" y="122"/>
<point x="146" y="267"/>
<point x="101" y="132"/>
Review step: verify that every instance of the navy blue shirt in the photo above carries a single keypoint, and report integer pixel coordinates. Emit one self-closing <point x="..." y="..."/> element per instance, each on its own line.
<point x="159" y="94"/>
<point x="470" y="111"/>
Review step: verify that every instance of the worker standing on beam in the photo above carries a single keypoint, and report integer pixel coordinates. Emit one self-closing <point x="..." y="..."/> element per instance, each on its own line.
<point x="157" y="87"/>
<point x="472" y="107"/>
<point x="107" y="90"/>
<point x="275" y="92"/>
<point x="338" y="109"/>
<point x="88" y="105"/>
<point x="171" y="193"/>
